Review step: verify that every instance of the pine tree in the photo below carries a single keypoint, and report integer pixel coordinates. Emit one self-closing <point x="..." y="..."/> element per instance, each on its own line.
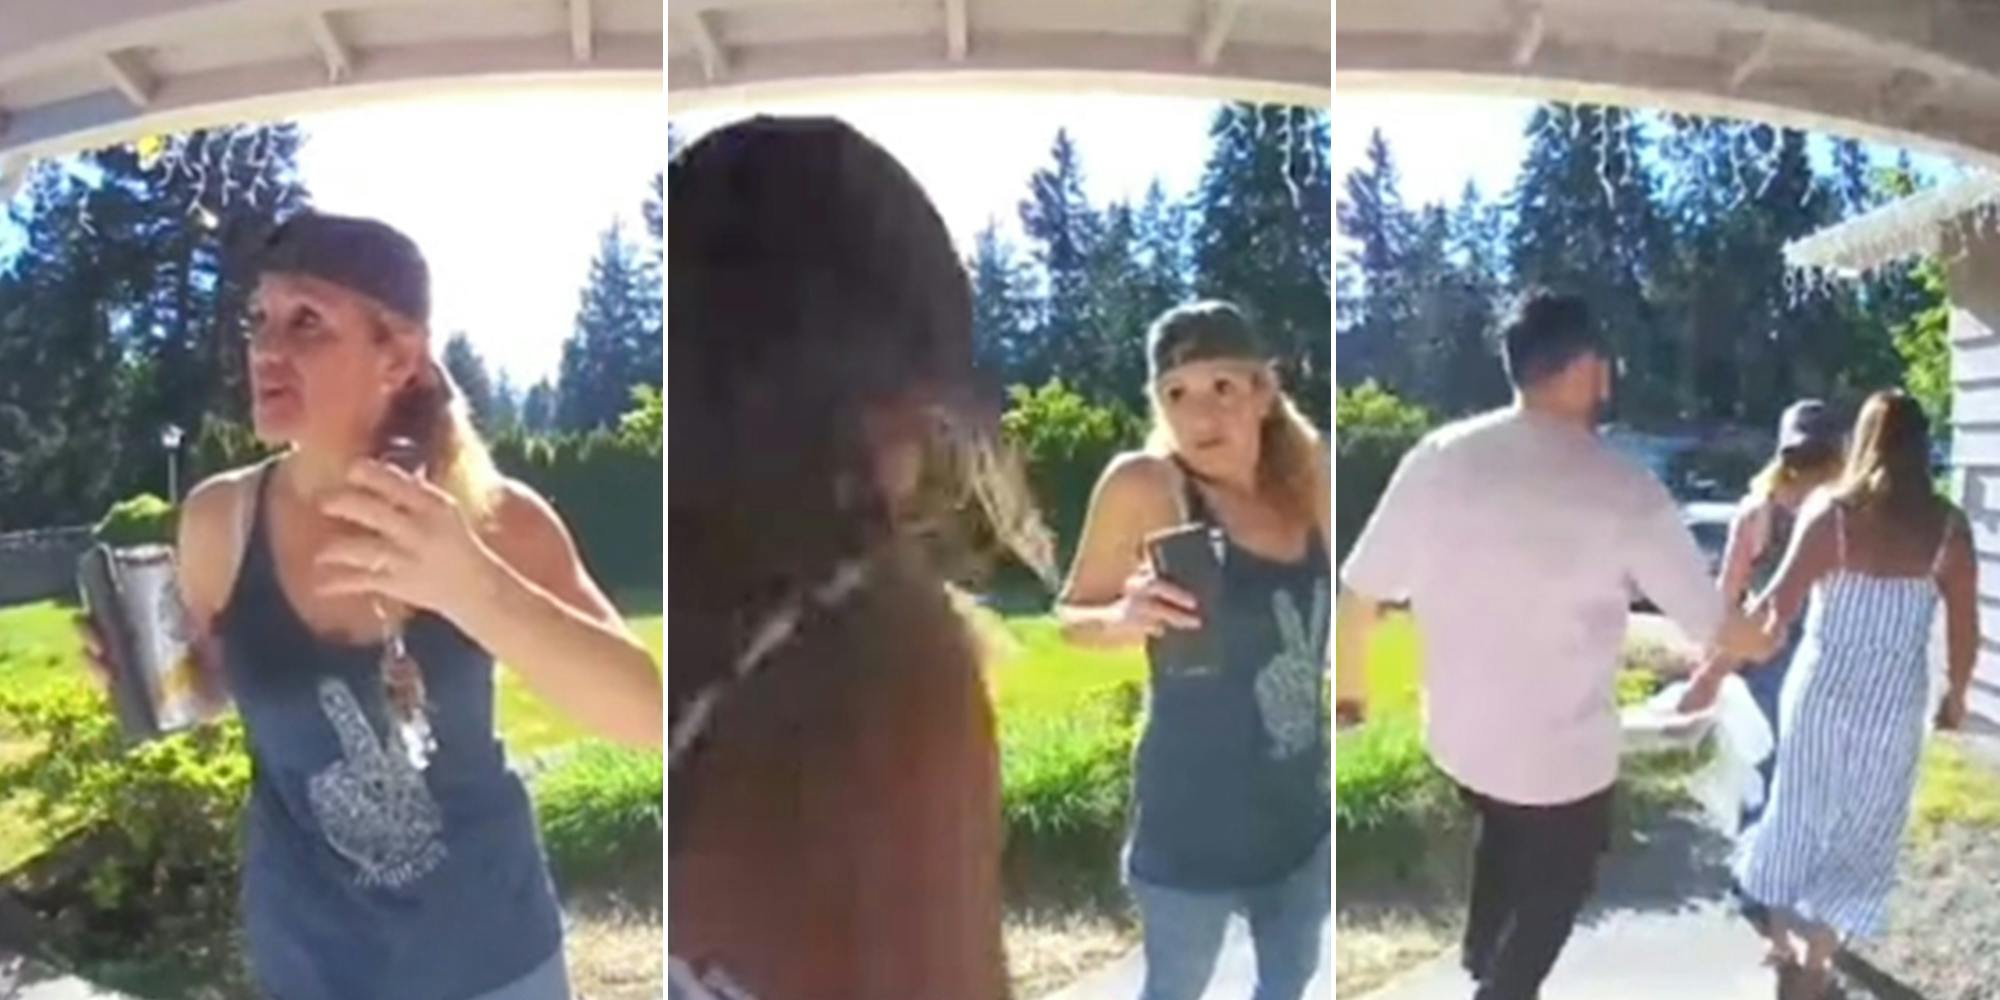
<point x="1111" y="362"/>
<point x="538" y="408"/>
<point x="1265" y="239"/>
<point x="1002" y="307"/>
<point x="616" y="343"/>
<point x="1163" y="244"/>
<point x="1587" y="224"/>
<point x="1062" y="227"/>
<point x="1375" y="303"/>
<point x="475" y="381"/>
<point x="506" y="417"/>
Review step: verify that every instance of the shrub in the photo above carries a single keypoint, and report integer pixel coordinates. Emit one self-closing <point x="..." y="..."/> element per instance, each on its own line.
<point x="141" y="520"/>
<point x="145" y="890"/>
<point x="1372" y="429"/>
<point x="600" y="816"/>
<point x="1387" y="795"/>
<point x="1067" y="784"/>
<point x="1066" y="441"/>
<point x="647" y="423"/>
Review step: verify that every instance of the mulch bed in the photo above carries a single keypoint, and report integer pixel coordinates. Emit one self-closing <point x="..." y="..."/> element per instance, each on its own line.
<point x="1943" y="941"/>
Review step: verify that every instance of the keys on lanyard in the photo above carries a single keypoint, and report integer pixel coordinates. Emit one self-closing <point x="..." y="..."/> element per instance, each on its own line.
<point x="403" y="686"/>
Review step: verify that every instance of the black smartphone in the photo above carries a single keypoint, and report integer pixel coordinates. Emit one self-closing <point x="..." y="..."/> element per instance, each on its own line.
<point x="1190" y="557"/>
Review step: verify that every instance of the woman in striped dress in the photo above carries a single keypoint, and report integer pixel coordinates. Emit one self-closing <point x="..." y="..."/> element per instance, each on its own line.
<point x="1874" y="555"/>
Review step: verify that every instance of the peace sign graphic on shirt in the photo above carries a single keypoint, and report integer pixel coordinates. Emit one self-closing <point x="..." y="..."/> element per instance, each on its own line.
<point x="1288" y="686"/>
<point x="372" y="805"/>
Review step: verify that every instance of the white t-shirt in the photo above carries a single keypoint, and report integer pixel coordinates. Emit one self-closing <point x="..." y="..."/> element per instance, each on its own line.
<point x="1518" y="539"/>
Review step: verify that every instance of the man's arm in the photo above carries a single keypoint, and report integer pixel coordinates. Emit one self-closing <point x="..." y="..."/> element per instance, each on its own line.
<point x="1353" y="637"/>
<point x="1668" y="567"/>
<point x="1380" y="568"/>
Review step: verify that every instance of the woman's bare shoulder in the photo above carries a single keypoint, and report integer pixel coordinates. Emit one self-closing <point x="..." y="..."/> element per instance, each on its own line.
<point x="1138" y="481"/>
<point x="213" y="507"/>
<point x="214" y="525"/>
<point x="1141" y="471"/>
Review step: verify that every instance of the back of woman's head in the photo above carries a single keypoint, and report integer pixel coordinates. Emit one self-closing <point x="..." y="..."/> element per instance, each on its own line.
<point x="1888" y="468"/>
<point x="814" y="297"/>
<point x="809" y="281"/>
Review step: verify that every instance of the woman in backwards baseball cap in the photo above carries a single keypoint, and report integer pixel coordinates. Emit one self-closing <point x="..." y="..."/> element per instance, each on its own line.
<point x="353" y="608"/>
<point x="1233" y="810"/>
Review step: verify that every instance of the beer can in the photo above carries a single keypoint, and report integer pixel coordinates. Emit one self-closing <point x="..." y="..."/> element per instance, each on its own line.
<point x="133" y="598"/>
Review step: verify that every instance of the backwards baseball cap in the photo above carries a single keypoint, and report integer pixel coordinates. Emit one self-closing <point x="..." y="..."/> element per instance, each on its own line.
<point x="1201" y="331"/>
<point x="1807" y="423"/>
<point x="360" y="255"/>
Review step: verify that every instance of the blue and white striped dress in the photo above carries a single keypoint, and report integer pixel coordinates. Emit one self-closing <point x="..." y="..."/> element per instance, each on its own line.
<point x="1854" y="712"/>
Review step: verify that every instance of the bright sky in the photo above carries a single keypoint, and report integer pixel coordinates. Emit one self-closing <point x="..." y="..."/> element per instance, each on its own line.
<point x="506" y="194"/>
<point x="974" y="152"/>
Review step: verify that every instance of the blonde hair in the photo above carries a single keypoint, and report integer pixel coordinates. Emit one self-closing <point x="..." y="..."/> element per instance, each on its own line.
<point x="1801" y="471"/>
<point x="431" y="411"/>
<point x="1287" y="444"/>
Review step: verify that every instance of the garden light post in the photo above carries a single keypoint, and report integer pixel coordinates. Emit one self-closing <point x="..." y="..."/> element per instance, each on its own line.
<point x="170" y="439"/>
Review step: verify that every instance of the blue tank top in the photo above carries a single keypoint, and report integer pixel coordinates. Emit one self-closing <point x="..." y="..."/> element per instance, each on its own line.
<point x="363" y="877"/>
<point x="1231" y="776"/>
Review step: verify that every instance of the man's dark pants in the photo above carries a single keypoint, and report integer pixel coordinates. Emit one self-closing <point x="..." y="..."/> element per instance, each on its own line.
<point x="1532" y="870"/>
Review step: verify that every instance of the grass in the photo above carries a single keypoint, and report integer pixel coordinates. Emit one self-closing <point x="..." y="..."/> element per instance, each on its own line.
<point x="1953" y="789"/>
<point x="530" y="725"/>
<point x="1035" y="674"/>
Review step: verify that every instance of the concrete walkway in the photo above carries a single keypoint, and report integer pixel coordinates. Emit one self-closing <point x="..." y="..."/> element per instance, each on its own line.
<point x="1235" y="973"/>
<point x="1662" y="927"/>
<point x="1705" y="951"/>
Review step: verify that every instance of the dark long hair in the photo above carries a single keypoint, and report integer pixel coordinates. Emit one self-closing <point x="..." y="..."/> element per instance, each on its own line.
<point x="811" y="285"/>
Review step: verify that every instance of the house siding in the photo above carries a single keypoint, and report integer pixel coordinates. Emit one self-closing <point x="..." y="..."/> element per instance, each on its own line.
<point x="1975" y="340"/>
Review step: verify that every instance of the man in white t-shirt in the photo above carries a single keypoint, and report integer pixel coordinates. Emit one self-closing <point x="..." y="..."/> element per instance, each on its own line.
<point x="1517" y="538"/>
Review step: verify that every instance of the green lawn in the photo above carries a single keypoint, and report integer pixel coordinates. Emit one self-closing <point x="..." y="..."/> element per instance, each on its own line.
<point x="1034" y="673"/>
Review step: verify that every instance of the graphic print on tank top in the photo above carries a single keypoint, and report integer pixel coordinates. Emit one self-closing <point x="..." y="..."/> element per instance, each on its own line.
<point x="1288" y="686"/>
<point x="372" y="805"/>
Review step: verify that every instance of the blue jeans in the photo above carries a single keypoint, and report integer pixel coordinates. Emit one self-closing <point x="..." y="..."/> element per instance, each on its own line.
<point x="1184" y="931"/>
<point x="548" y="981"/>
<point x="1766" y="682"/>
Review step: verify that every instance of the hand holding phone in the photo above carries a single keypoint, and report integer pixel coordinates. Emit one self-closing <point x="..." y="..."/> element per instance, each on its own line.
<point x="1188" y="565"/>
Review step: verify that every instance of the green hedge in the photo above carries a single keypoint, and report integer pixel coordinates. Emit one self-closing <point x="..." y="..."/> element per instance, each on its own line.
<point x="611" y="491"/>
<point x="1372" y="429"/>
<point x="601" y="817"/>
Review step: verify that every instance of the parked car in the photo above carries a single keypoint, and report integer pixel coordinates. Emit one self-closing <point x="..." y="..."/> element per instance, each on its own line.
<point x="1709" y="521"/>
